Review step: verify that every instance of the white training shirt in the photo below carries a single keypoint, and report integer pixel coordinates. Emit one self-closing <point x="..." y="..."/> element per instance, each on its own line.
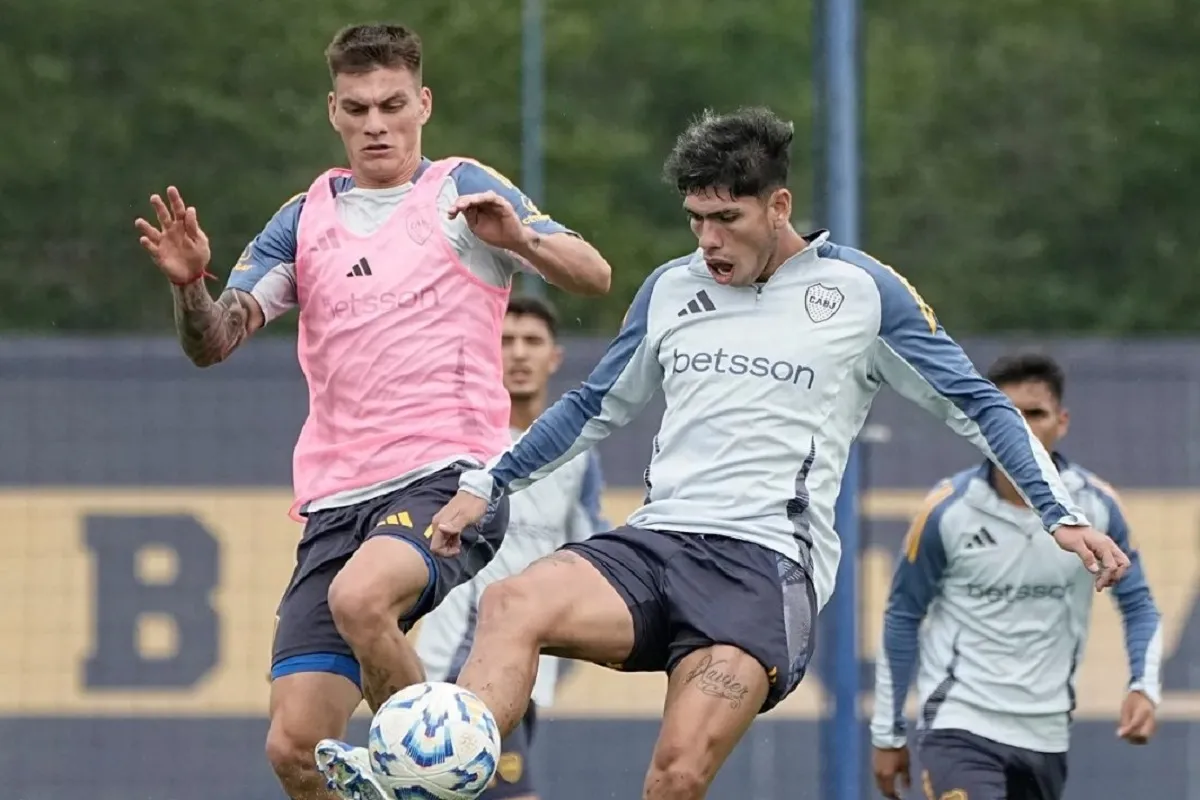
<point x="766" y="387"/>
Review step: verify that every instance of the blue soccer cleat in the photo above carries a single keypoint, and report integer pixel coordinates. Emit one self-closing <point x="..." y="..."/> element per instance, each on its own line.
<point x="347" y="771"/>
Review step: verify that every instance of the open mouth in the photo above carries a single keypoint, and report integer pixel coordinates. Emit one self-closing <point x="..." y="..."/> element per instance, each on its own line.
<point x="377" y="148"/>
<point x="722" y="271"/>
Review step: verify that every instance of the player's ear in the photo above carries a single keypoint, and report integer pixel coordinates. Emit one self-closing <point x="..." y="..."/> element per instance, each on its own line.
<point x="426" y="104"/>
<point x="556" y="359"/>
<point x="332" y="109"/>
<point x="780" y="207"/>
<point x="1064" y="422"/>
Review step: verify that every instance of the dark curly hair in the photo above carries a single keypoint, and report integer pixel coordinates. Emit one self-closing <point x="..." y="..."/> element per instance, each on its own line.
<point x="745" y="153"/>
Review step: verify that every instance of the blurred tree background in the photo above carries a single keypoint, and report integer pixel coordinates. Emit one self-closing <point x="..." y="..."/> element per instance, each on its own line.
<point x="1029" y="165"/>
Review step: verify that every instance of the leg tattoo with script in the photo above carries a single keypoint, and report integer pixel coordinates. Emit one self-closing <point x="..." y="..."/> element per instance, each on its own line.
<point x="717" y="679"/>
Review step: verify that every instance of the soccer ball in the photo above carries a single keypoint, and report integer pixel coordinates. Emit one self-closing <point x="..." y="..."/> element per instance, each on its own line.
<point x="434" y="741"/>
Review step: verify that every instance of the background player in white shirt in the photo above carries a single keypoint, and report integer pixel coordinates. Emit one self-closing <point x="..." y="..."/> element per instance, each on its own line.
<point x="769" y="347"/>
<point x="563" y="508"/>
<point x="1005" y="623"/>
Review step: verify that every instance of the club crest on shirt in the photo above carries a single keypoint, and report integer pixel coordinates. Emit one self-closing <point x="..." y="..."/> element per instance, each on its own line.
<point x="822" y="302"/>
<point x="419" y="229"/>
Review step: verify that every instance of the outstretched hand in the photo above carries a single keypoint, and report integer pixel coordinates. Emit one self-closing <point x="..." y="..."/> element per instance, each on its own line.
<point x="463" y="510"/>
<point x="178" y="245"/>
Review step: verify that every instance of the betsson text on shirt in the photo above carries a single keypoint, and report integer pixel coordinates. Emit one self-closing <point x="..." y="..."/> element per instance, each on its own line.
<point x="724" y="363"/>
<point x="369" y="304"/>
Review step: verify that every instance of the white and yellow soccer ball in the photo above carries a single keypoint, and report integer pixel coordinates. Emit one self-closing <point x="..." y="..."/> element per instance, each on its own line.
<point x="434" y="741"/>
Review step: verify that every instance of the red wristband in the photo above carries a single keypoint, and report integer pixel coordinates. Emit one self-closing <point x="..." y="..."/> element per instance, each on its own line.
<point x="204" y="273"/>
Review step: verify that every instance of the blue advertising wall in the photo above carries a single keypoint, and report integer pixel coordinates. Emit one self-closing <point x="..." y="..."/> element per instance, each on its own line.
<point x="146" y="541"/>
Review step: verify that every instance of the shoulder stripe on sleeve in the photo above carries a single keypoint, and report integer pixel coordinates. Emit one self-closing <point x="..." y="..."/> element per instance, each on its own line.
<point x="922" y="305"/>
<point x="912" y="539"/>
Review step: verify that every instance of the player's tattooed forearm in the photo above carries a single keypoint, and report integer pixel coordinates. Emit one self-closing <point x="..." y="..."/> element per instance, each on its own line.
<point x="717" y="679"/>
<point x="209" y="330"/>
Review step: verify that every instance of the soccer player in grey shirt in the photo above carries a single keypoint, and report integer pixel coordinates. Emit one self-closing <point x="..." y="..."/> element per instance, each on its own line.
<point x="1006" y="619"/>
<point x="769" y="347"/>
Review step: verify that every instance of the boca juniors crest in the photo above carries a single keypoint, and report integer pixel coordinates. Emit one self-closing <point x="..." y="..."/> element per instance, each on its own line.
<point x="419" y="228"/>
<point x="822" y="302"/>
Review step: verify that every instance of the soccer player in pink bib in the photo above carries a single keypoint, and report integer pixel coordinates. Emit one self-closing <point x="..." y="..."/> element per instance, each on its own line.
<point x="401" y="268"/>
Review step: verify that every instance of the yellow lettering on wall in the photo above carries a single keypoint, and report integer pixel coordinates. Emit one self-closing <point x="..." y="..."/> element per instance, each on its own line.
<point x="49" y="625"/>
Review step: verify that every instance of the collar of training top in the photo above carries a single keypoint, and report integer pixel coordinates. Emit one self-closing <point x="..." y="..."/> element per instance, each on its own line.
<point x="339" y="184"/>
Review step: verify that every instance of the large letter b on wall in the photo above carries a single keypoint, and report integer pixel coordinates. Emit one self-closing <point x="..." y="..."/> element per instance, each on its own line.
<point x="155" y="627"/>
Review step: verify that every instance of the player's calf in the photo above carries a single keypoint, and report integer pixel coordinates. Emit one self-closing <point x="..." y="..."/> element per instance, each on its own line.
<point x="381" y="583"/>
<point x="712" y="697"/>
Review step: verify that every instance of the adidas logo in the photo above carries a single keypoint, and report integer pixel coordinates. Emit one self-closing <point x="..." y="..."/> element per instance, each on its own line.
<point x="701" y="302"/>
<point x="980" y="539"/>
<point x="401" y="520"/>
<point x="360" y="269"/>
<point x="326" y="241"/>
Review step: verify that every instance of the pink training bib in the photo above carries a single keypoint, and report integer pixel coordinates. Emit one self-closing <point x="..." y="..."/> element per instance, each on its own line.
<point x="400" y="344"/>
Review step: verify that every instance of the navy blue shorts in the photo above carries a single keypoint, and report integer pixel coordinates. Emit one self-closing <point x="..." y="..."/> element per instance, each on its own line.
<point x="513" y="777"/>
<point x="306" y="639"/>
<point x="690" y="591"/>
<point x="960" y="765"/>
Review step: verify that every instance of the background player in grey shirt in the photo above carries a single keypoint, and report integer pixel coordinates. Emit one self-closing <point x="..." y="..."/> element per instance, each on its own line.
<point x="1005" y="618"/>
<point x="769" y="347"/>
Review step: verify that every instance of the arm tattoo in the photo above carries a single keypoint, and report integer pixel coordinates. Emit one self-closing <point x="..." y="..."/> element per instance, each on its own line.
<point x="210" y="330"/>
<point x="717" y="679"/>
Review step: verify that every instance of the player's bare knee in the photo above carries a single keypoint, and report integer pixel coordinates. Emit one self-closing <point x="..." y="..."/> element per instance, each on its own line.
<point x="683" y="765"/>
<point x="510" y="608"/>
<point x="678" y="772"/>
<point x="306" y="707"/>
<point x="290" y="754"/>
<point x="359" y="611"/>
<point x="678" y="782"/>
<point x="381" y="583"/>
